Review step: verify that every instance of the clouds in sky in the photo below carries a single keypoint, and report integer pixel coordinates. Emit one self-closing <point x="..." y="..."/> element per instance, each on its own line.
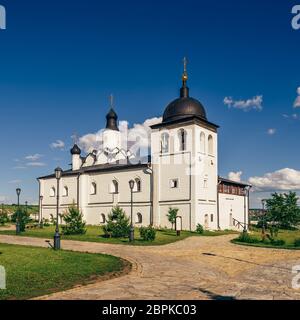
<point x="34" y="157"/>
<point x="297" y="101"/>
<point x="235" y="176"/>
<point x="17" y="181"/>
<point x="36" y="164"/>
<point x="58" y="144"/>
<point x="246" y="105"/>
<point x="281" y="180"/>
<point x="271" y="131"/>
<point x="93" y="141"/>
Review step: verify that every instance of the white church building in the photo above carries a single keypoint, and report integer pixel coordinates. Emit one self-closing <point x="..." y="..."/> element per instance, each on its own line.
<point x="181" y="172"/>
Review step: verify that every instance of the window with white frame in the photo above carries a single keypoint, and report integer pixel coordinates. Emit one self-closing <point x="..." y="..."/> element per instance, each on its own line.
<point x="65" y="191"/>
<point x="102" y="218"/>
<point x="182" y="137"/>
<point x="210" y="145"/>
<point x="114" y="187"/>
<point x="93" y="188"/>
<point x="165" y="141"/>
<point x="174" y="183"/>
<point x="52" y="192"/>
<point x="202" y="142"/>
<point x="139" y="218"/>
<point x="137" y="185"/>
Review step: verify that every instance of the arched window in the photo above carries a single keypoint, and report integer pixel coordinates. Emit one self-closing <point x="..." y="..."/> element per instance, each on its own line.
<point x="102" y="218"/>
<point x="52" y="192"/>
<point x="182" y="135"/>
<point x="93" y="188"/>
<point x="202" y="142"/>
<point x="65" y="191"/>
<point x="210" y="145"/>
<point x="137" y="185"/>
<point x="139" y="218"/>
<point x="165" y="142"/>
<point x="114" y="187"/>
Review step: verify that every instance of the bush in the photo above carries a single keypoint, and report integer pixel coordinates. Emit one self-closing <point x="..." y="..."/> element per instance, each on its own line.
<point x="3" y="218"/>
<point x="22" y="216"/>
<point x="199" y="229"/>
<point x="148" y="233"/>
<point x="117" y="224"/>
<point x="278" y="242"/>
<point x="74" y="223"/>
<point x="246" y="238"/>
<point x="297" y="243"/>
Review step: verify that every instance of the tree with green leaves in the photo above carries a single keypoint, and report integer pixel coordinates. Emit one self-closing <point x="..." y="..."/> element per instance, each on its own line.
<point x="172" y="215"/>
<point x="3" y="217"/>
<point x="117" y="225"/>
<point x="73" y="220"/>
<point x="283" y="211"/>
<point x="22" y="216"/>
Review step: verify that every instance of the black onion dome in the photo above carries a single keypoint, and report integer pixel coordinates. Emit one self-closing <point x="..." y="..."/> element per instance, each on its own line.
<point x="112" y="120"/>
<point x="75" y="150"/>
<point x="184" y="107"/>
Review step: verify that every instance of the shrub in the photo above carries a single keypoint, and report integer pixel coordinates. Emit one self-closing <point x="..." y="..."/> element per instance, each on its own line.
<point x="246" y="238"/>
<point x="117" y="224"/>
<point x="74" y="223"/>
<point x="148" y="233"/>
<point x="278" y="242"/>
<point x="200" y="229"/>
<point x="297" y="243"/>
<point x="3" y="218"/>
<point x="172" y="215"/>
<point x="22" y="216"/>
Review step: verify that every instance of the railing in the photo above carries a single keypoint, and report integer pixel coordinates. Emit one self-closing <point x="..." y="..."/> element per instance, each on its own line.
<point x="239" y="224"/>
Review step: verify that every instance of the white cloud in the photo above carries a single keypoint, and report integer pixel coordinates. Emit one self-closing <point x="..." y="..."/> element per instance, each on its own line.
<point x="34" y="157"/>
<point x="3" y="198"/>
<point x="297" y="101"/>
<point x="15" y="181"/>
<point x="246" y="105"/>
<point x="271" y="131"/>
<point x="282" y="180"/>
<point x="93" y="141"/>
<point x="20" y="167"/>
<point x="36" y="164"/>
<point x="235" y="176"/>
<point x="58" y="144"/>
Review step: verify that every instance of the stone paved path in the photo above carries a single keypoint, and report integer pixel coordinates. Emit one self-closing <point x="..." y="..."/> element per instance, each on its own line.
<point x="195" y="268"/>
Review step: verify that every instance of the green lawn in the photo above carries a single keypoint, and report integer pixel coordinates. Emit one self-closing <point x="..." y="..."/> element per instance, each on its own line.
<point x="96" y="234"/>
<point x="289" y="236"/>
<point x="33" y="272"/>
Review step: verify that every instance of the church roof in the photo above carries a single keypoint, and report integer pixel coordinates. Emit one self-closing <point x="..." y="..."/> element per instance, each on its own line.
<point x="101" y="168"/>
<point x="75" y="149"/>
<point x="231" y="182"/>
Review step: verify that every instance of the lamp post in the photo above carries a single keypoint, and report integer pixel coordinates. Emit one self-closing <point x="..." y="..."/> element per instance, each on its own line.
<point x="263" y="202"/>
<point x="131" y="233"/>
<point x="18" y="227"/>
<point x="41" y="211"/>
<point x="58" y="174"/>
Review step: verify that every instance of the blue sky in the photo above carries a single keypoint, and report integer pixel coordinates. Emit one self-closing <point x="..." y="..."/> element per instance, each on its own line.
<point x="60" y="60"/>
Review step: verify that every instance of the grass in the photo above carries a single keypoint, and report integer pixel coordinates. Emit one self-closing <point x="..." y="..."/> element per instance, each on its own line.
<point x="289" y="236"/>
<point x="96" y="234"/>
<point x="33" y="272"/>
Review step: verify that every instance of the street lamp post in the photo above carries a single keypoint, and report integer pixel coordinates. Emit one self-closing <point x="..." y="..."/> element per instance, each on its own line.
<point x="18" y="227"/>
<point x="41" y="211"/>
<point x="131" y="233"/>
<point x="58" y="174"/>
<point x="263" y="201"/>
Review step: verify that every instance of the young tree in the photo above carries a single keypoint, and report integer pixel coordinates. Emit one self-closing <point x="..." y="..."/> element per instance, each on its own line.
<point x="23" y="217"/>
<point x="3" y="217"/>
<point x="283" y="211"/>
<point x="172" y="215"/>
<point x="117" y="223"/>
<point x="74" y="223"/>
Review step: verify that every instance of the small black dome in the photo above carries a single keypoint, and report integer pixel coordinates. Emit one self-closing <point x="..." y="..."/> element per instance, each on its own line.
<point x="75" y="150"/>
<point x="112" y="120"/>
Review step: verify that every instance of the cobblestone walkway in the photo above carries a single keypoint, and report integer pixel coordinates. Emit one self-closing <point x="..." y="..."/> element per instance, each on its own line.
<point x="195" y="268"/>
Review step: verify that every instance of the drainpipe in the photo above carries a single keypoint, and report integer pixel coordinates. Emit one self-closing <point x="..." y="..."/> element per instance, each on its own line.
<point x="78" y="192"/>
<point x="218" y="207"/>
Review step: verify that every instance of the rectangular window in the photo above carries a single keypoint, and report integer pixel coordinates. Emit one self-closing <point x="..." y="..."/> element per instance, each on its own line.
<point x="205" y="184"/>
<point x="211" y="218"/>
<point x="174" y="183"/>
